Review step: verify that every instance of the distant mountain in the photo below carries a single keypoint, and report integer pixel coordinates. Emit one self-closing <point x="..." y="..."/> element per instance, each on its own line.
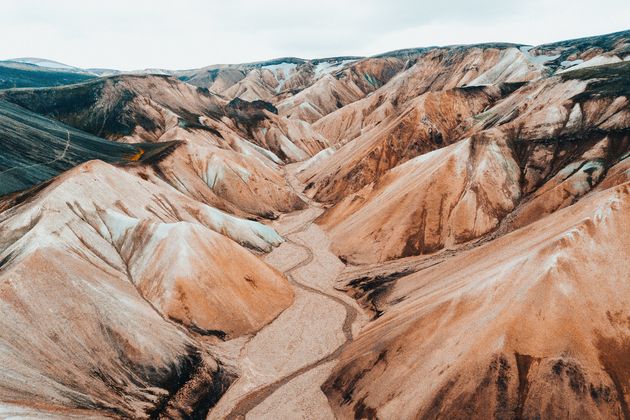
<point x="44" y="62"/>
<point x="41" y="72"/>
<point x="17" y="75"/>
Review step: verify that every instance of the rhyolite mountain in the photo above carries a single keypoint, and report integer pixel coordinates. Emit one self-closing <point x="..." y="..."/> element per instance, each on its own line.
<point x="425" y="233"/>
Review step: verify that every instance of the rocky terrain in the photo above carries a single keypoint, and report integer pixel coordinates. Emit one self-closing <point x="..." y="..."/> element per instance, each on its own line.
<point x="426" y="233"/>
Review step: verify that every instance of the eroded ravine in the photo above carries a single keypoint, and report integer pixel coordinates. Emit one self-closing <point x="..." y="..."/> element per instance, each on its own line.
<point x="305" y="241"/>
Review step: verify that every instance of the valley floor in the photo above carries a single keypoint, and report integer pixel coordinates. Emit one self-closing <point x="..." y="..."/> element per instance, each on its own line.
<point x="282" y="367"/>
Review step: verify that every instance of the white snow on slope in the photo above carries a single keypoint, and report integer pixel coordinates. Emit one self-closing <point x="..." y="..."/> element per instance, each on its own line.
<point x="512" y="66"/>
<point x="42" y="62"/>
<point x="599" y="60"/>
<point x="282" y="72"/>
<point x="571" y="63"/>
<point x="286" y="68"/>
<point x="327" y="67"/>
<point x="537" y="59"/>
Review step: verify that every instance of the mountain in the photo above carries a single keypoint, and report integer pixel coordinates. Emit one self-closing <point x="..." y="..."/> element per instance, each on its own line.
<point x="116" y="292"/>
<point x="425" y="233"/>
<point x="16" y="75"/>
<point x="43" y="62"/>
<point x="531" y="327"/>
<point x="36" y="148"/>
<point x="519" y="159"/>
<point x="216" y="163"/>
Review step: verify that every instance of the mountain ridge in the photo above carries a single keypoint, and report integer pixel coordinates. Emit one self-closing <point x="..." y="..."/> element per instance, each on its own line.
<point x="423" y="233"/>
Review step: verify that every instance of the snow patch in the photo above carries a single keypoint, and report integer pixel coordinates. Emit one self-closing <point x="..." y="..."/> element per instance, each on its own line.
<point x="246" y="232"/>
<point x="285" y="68"/>
<point x="537" y="59"/>
<point x="600" y="60"/>
<point x="326" y="67"/>
<point x="566" y="64"/>
<point x="42" y="62"/>
<point x="282" y="73"/>
<point x="512" y="66"/>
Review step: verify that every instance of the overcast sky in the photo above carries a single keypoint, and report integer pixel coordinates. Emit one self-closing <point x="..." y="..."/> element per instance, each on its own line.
<point x="179" y="34"/>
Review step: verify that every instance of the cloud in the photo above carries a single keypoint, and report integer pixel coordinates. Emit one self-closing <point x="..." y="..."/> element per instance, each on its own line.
<point x="192" y="33"/>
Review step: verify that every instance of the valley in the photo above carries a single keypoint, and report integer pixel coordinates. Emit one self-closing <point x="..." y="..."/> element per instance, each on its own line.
<point x="424" y="233"/>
